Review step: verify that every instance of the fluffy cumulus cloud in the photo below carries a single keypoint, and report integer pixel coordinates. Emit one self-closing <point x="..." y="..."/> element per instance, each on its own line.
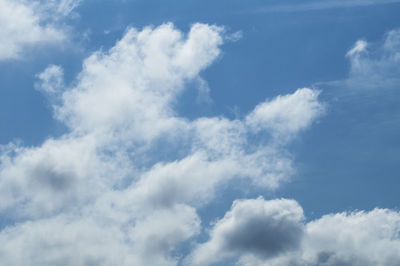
<point x="122" y="186"/>
<point x="27" y="23"/>
<point x="286" y="115"/>
<point x="260" y="232"/>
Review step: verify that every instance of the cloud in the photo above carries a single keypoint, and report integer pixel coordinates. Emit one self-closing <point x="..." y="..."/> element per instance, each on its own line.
<point x="358" y="48"/>
<point x="322" y="5"/>
<point x="127" y="177"/>
<point x="378" y="66"/>
<point x="61" y="7"/>
<point x="357" y="238"/>
<point x="286" y="115"/>
<point x="62" y="241"/>
<point x="373" y="65"/>
<point x="259" y="232"/>
<point x="42" y="181"/>
<point x="259" y="227"/>
<point x="28" y="23"/>
<point x="51" y="80"/>
<point x="146" y="71"/>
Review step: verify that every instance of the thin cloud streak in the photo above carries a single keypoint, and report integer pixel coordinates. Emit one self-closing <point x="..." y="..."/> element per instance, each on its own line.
<point x="313" y="6"/>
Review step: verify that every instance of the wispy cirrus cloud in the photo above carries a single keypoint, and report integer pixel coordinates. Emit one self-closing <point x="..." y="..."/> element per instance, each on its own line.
<point x="320" y="5"/>
<point x="373" y="65"/>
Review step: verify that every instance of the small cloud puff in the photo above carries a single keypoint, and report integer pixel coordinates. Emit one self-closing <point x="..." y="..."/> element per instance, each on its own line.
<point x="51" y="80"/>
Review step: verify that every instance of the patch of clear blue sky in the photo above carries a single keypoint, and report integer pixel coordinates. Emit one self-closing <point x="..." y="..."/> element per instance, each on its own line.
<point x="349" y="160"/>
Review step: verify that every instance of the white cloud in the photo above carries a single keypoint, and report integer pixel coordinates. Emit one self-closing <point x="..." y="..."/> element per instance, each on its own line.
<point x="286" y="115"/>
<point x="130" y="165"/>
<point x="259" y="232"/>
<point x="28" y="23"/>
<point x="358" y="238"/>
<point x="159" y="233"/>
<point x="122" y="186"/>
<point x="63" y="241"/>
<point x="136" y="83"/>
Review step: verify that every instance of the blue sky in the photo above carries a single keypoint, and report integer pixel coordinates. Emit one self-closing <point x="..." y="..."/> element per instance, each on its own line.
<point x="199" y="132"/>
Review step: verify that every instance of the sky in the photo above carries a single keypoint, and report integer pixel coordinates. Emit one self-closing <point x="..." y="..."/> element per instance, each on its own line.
<point x="199" y="132"/>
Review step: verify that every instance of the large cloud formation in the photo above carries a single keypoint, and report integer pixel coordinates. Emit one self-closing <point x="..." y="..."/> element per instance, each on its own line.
<point x="122" y="186"/>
